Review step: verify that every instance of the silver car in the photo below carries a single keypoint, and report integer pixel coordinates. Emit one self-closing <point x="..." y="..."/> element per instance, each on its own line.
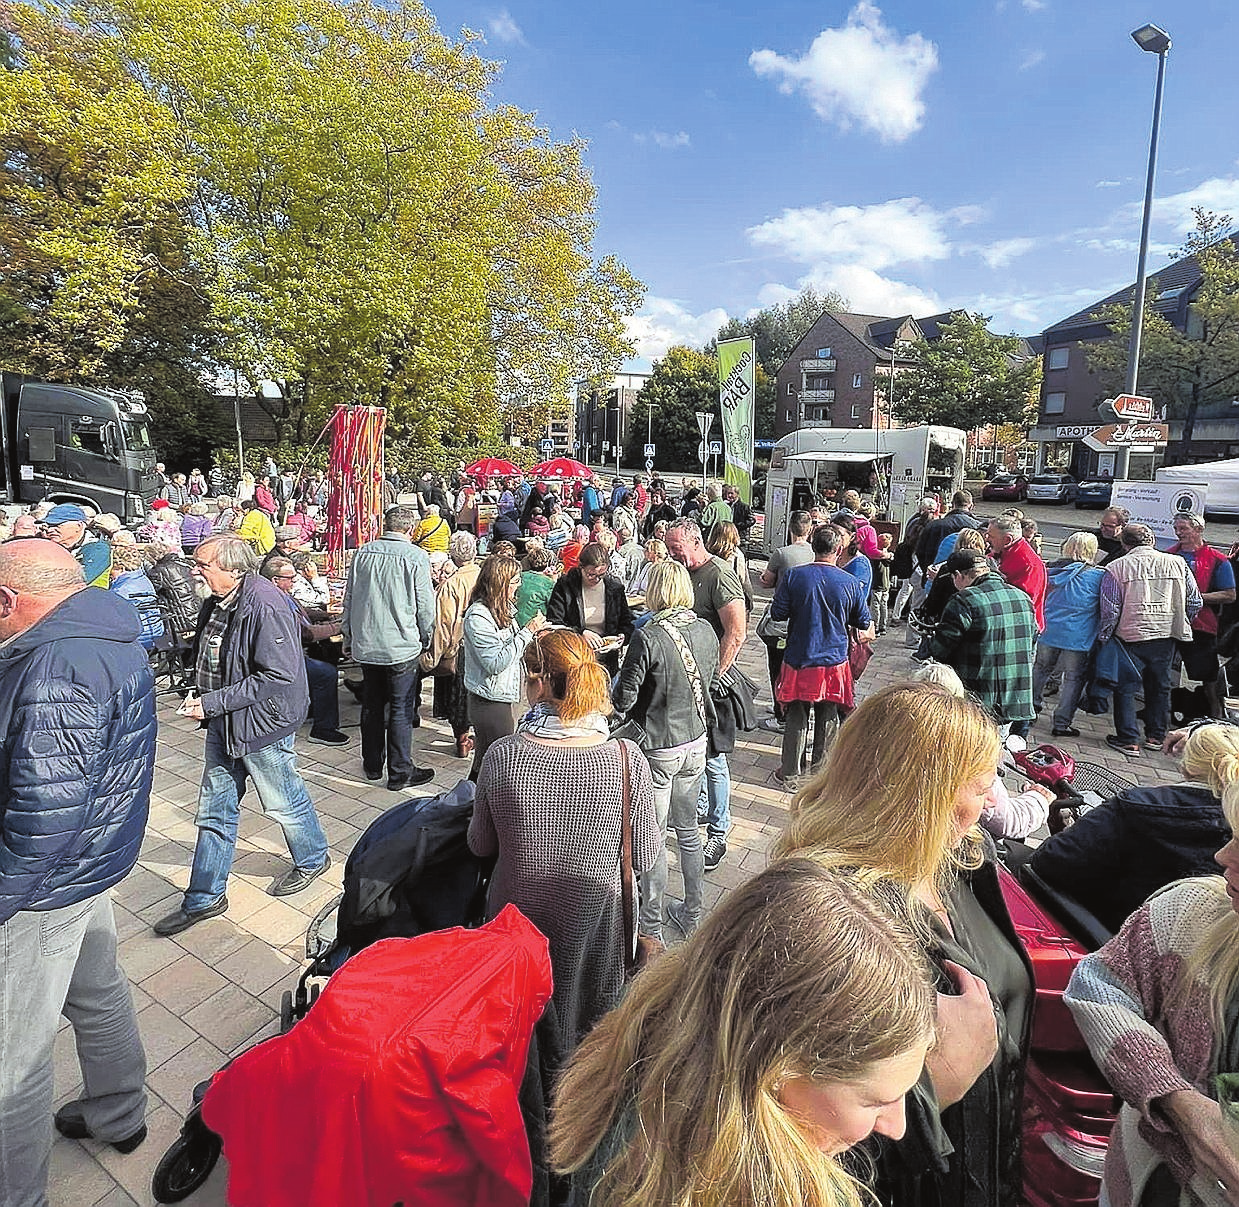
<point x="1051" y="488"/>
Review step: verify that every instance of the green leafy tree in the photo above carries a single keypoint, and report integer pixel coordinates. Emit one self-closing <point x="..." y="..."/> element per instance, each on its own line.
<point x="776" y="330"/>
<point x="682" y="383"/>
<point x="359" y="221"/>
<point x="1182" y="370"/>
<point x="966" y="378"/>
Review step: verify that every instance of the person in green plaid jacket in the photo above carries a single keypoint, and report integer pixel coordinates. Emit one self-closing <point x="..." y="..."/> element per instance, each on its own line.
<point x="988" y="634"/>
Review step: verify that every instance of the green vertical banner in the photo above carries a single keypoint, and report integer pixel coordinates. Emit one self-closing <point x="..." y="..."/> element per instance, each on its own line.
<point x="737" y="366"/>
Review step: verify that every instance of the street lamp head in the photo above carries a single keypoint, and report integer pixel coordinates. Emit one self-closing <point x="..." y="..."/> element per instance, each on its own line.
<point x="1152" y="39"/>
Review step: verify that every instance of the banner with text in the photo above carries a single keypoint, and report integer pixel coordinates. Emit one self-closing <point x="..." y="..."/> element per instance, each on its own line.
<point x="1158" y="503"/>
<point x="737" y="366"/>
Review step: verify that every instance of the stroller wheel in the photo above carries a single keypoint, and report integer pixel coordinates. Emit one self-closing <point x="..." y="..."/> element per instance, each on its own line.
<point x="187" y="1164"/>
<point x="286" y="1012"/>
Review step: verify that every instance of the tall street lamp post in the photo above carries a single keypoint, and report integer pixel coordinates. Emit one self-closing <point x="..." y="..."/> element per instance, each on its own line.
<point x="1155" y="41"/>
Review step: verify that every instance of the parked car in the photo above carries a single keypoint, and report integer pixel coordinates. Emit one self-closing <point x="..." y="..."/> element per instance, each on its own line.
<point x="1005" y="488"/>
<point x="1094" y="493"/>
<point x="1051" y="488"/>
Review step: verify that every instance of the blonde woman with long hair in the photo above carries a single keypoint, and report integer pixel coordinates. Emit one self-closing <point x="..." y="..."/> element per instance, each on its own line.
<point x="1159" y="1009"/>
<point x="898" y="803"/>
<point x="743" y="1064"/>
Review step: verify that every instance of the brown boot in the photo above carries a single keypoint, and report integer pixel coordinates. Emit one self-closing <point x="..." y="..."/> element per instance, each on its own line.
<point x="464" y="746"/>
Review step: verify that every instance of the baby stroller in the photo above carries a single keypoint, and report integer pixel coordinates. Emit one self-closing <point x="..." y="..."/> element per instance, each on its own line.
<point x="410" y="873"/>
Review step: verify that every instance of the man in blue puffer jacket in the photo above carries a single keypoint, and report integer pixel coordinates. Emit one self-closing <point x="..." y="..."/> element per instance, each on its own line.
<point x="77" y="713"/>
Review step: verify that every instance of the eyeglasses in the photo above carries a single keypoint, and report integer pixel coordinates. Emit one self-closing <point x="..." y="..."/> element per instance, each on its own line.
<point x="288" y="577"/>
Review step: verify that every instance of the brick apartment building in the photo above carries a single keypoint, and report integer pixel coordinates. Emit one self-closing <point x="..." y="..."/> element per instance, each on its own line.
<point x="839" y="374"/>
<point x="1070" y="391"/>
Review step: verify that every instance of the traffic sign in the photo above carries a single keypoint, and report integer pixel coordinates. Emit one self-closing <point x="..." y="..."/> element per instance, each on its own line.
<point x="705" y="421"/>
<point x="606" y="446"/>
<point x="1134" y="406"/>
<point x="716" y="448"/>
<point x="547" y="446"/>
<point x="576" y="446"/>
<point x="649" y="451"/>
<point x="701" y="451"/>
<point x="1127" y="408"/>
<point x="649" y="464"/>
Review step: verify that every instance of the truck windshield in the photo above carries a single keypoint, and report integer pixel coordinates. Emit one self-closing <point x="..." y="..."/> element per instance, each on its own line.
<point x="137" y="436"/>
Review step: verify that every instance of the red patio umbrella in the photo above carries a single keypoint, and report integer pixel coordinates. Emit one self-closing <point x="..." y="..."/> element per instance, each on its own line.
<point x="492" y="467"/>
<point x="560" y="467"/>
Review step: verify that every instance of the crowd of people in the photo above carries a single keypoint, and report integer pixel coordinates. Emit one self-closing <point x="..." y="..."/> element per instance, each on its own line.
<point x="852" y="1020"/>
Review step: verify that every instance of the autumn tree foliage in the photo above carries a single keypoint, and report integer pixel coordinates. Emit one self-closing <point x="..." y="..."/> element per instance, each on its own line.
<point x="316" y="194"/>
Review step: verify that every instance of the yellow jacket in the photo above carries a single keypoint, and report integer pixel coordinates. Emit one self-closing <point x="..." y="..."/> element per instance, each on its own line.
<point x="432" y="534"/>
<point x="258" y="530"/>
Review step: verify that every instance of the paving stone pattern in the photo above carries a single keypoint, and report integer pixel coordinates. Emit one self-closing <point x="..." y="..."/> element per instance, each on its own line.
<point x="214" y="991"/>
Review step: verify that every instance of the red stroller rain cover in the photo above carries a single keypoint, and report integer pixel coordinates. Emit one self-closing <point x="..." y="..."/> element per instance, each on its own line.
<point x="400" y="1085"/>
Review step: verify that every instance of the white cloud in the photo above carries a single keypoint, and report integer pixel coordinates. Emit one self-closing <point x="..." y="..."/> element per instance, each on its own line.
<point x="863" y="73"/>
<point x="1032" y="59"/>
<point x="901" y="231"/>
<point x="1109" y="184"/>
<point x="663" y="323"/>
<point x="1033" y="6"/>
<point x="503" y="28"/>
<point x="660" y="138"/>
<point x="1219" y="194"/>
<point x="1000" y="254"/>
<point x="868" y="292"/>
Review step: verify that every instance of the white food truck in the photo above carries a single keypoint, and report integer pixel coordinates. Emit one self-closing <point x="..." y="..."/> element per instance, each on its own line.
<point x="895" y="468"/>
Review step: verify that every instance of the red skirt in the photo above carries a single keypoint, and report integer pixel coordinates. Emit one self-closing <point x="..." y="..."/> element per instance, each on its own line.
<point x="816" y="685"/>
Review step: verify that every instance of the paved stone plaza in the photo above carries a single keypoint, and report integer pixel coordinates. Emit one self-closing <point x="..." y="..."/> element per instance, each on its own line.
<point x="214" y="990"/>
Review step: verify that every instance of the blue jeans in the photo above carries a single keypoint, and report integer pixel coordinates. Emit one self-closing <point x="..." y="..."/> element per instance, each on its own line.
<point x="714" y="800"/>
<point x="54" y="962"/>
<point x="282" y="795"/>
<point x="324" y="681"/>
<point x="676" y="776"/>
<point x="1148" y="664"/>
<point x="388" y="701"/>
<point x="1072" y="665"/>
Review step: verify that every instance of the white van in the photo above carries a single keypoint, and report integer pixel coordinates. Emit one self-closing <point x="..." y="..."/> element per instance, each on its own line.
<point x="895" y="468"/>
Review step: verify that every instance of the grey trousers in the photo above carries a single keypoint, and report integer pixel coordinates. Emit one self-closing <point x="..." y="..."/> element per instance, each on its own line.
<point x="676" y="776"/>
<point x="54" y="962"/>
<point x="826" y="719"/>
<point x="491" y="720"/>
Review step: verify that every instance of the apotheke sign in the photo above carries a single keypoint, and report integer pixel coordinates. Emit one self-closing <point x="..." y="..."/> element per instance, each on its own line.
<point x="1074" y="433"/>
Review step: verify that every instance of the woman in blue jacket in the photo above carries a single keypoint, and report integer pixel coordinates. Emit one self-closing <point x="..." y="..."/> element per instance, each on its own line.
<point x="129" y="579"/>
<point x="1072" y="615"/>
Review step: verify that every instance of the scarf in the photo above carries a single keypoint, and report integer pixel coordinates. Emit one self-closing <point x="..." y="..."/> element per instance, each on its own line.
<point x="541" y="721"/>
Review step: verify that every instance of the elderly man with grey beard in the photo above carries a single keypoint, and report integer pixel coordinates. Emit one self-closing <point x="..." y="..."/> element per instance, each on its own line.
<point x="251" y="675"/>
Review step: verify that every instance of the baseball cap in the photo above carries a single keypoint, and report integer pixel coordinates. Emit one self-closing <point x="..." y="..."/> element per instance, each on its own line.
<point x="64" y="513"/>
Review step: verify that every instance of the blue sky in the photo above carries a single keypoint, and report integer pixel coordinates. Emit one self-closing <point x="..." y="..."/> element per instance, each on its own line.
<point x="982" y="154"/>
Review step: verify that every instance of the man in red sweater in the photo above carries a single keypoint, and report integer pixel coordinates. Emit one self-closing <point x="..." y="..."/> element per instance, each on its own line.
<point x="1018" y="562"/>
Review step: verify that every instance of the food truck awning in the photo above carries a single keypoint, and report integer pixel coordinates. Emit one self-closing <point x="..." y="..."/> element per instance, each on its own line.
<point x="827" y="455"/>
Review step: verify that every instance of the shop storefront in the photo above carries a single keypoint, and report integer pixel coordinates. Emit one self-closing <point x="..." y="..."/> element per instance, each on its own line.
<point x="1118" y="450"/>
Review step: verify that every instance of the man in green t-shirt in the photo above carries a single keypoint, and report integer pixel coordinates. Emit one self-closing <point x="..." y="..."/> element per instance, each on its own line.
<point x="715" y="511"/>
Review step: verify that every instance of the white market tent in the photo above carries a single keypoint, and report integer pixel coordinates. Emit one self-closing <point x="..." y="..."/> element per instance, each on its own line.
<point x="1221" y="477"/>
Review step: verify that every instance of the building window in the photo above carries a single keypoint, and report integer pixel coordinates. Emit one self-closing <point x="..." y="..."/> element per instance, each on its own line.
<point x="1055" y="403"/>
<point x="856" y="380"/>
<point x="817" y="381"/>
<point x="823" y="354"/>
<point x="791" y="390"/>
<point x="856" y="410"/>
<point x="787" y="416"/>
<point x="1058" y="358"/>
